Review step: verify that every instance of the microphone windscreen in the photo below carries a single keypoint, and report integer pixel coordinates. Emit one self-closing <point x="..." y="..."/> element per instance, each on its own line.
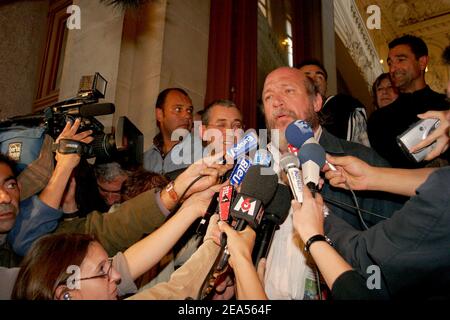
<point x="278" y="208"/>
<point x="289" y="159"/>
<point x="260" y="183"/>
<point x="298" y="132"/>
<point x="313" y="152"/>
<point x="98" y="109"/>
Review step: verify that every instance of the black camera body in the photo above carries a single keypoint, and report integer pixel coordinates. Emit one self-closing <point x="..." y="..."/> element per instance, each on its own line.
<point x="126" y="146"/>
<point x="84" y="106"/>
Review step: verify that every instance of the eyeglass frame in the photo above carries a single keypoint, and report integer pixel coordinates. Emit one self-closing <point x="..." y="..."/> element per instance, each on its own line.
<point x="117" y="192"/>
<point x="107" y="274"/>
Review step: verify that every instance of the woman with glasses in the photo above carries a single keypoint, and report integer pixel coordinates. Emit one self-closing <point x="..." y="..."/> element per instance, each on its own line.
<point x="76" y="267"/>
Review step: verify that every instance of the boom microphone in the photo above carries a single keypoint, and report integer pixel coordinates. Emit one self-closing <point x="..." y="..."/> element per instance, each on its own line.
<point x="98" y="109"/>
<point x="275" y="214"/>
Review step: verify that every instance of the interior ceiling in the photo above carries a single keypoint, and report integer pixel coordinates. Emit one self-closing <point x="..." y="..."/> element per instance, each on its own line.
<point x="429" y="20"/>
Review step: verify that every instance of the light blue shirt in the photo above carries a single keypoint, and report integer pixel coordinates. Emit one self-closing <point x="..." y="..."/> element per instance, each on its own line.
<point x="180" y="156"/>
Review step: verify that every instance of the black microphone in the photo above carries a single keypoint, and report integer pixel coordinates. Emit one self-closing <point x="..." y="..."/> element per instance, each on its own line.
<point x="220" y="203"/>
<point x="98" y="109"/>
<point x="212" y="209"/>
<point x="257" y="190"/>
<point x="275" y="214"/>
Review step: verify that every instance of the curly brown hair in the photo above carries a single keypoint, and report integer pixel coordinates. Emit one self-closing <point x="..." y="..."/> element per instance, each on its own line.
<point x="141" y="180"/>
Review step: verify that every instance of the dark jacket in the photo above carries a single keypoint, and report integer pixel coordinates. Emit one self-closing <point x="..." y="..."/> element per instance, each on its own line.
<point x="380" y="203"/>
<point x="412" y="248"/>
<point x="387" y="123"/>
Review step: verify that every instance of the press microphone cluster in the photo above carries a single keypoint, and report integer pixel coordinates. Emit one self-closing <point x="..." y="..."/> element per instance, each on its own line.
<point x="311" y="154"/>
<point x="236" y="175"/>
<point x="247" y="208"/>
<point x="275" y="214"/>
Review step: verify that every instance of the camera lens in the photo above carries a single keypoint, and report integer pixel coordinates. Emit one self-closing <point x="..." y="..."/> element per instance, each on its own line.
<point x="103" y="146"/>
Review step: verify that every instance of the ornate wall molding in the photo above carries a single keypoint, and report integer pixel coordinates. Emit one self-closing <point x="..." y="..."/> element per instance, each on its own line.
<point x="351" y="29"/>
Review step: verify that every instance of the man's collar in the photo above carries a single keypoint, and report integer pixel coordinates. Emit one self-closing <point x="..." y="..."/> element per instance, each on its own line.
<point x="158" y="142"/>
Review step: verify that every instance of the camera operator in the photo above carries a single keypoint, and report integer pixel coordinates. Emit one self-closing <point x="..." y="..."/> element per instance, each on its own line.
<point x="45" y="207"/>
<point x="120" y="229"/>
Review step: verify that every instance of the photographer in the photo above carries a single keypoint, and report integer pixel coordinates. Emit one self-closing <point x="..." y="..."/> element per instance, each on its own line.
<point x="120" y="229"/>
<point x="39" y="215"/>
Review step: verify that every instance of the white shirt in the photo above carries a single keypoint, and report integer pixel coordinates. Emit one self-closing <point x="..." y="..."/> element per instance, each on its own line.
<point x="288" y="275"/>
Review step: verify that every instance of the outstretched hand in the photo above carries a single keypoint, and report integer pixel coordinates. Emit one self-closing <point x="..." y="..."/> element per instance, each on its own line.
<point x="308" y="217"/>
<point x="441" y="135"/>
<point x="206" y="167"/>
<point x="240" y="243"/>
<point x="351" y="171"/>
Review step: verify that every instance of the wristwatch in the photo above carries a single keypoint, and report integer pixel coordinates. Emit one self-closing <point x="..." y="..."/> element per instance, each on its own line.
<point x="171" y="191"/>
<point x="317" y="237"/>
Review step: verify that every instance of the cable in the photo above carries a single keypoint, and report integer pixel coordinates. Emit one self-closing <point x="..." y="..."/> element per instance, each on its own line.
<point x="358" y="209"/>
<point x="339" y="203"/>
<point x="190" y="186"/>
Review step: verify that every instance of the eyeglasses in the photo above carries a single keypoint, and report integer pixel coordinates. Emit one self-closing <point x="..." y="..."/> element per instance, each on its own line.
<point x="224" y="126"/>
<point x="105" y="274"/>
<point x="118" y="192"/>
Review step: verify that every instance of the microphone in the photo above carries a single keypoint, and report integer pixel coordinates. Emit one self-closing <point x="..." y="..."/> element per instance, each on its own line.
<point x="298" y="133"/>
<point x="212" y="209"/>
<point x="293" y="149"/>
<point x="246" y="144"/>
<point x="263" y="158"/>
<point x="219" y="200"/>
<point x="275" y="214"/>
<point x="257" y="191"/>
<point x="240" y="170"/>
<point x="312" y="159"/>
<point x="226" y="196"/>
<point x="290" y="163"/>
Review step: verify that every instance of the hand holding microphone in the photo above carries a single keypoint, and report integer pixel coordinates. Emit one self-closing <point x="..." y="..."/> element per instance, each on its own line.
<point x="351" y="173"/>
<point x="308" y="216"/>
<point x="239" y="243"/>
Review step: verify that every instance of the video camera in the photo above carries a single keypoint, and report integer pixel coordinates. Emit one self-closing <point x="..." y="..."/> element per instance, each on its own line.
<point x="125" y="144"/>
